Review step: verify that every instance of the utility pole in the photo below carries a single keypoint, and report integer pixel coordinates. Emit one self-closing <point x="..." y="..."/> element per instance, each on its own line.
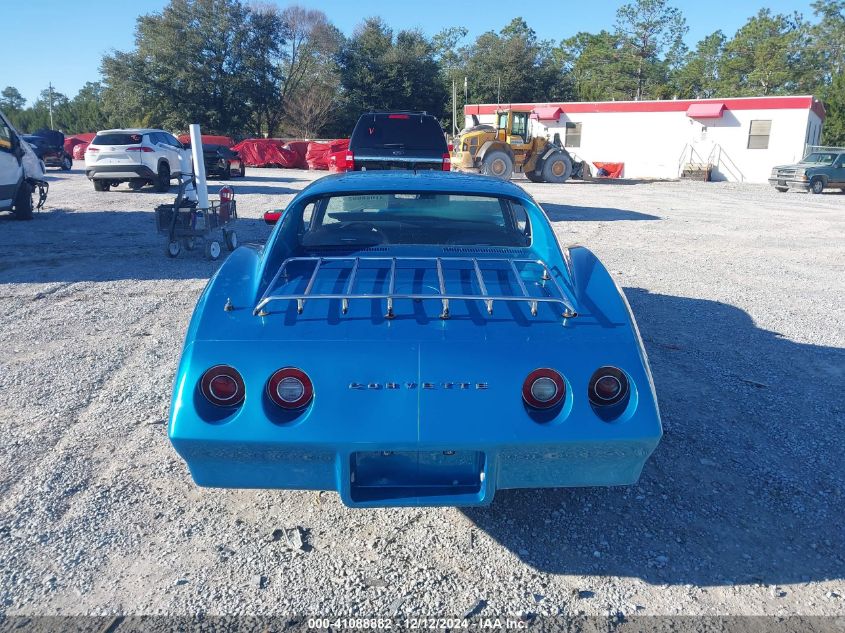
<point x="454" y="107"/>
<point x="51" y="104"/>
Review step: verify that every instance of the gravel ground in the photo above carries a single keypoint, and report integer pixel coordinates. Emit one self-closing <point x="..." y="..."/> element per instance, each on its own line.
<point x="738" y="291"/>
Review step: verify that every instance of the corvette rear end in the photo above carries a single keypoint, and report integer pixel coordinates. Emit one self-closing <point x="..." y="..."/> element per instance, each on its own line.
<point x="413" y="339"/>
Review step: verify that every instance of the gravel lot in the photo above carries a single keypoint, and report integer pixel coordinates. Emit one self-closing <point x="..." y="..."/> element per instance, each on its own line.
<point x="738" y="291"/>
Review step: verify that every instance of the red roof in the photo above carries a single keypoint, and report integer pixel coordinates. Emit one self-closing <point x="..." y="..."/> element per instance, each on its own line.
<point x="549" y="113"/>
<point x="676" y="105"/>
<point x="708" y="110"/>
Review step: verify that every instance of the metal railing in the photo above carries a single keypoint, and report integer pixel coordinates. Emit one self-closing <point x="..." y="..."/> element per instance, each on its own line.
<point x="545" y="280"/>
<point x="719" y="158"/>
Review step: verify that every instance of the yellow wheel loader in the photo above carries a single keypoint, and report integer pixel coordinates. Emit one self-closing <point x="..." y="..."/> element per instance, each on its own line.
<point x="508" y="147"/>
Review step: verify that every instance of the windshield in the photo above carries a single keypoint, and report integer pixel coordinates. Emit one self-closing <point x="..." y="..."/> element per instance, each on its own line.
<point x="398" y="131"/>
<point x="819" y="157"/>
<point x="415" y="218"/>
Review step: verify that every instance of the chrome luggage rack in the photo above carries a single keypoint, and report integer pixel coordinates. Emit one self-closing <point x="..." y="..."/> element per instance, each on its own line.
<point x="443" y="296"/>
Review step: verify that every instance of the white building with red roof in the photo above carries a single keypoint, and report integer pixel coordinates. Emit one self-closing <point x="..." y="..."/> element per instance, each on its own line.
<point x="740" y="138"/>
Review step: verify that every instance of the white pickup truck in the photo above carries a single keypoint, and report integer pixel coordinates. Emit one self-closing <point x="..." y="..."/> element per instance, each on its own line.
<point x="21" y="174"/>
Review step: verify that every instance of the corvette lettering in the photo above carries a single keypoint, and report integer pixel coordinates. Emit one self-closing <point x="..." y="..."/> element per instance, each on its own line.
<point x="479" y="386"/>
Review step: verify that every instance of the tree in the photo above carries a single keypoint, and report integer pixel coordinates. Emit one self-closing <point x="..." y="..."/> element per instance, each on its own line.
<point x="828" y="45"/>
<point x="829" y="37"/>
<point x="261" y="75"/>
<point x="765" y="57"/>
<point x="380" y="72"/>
<point x="309" y="112"/>
<point x="312" y="80"/>
<point x="86" y="112"/>
<point x="451" y="59"/>
<point x="698" y="78"/>
<point x="593" y="65"/>
<point x="514" y="66"/>
<point x="834" y="101"/>
<point x="11" y="99"/>
<point x="651" y="36"/>
<point x="212" y="62"/>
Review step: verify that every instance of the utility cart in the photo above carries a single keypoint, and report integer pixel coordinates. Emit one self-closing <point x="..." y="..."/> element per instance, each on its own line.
<point x="187" y="225"/>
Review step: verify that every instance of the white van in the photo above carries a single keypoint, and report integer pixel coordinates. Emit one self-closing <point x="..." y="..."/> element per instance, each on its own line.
<point x="21" y="174"/>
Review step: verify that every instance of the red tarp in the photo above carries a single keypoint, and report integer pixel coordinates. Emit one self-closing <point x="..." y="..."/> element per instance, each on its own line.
<point x="208" y="139"/>
<point x="705" y="110"/>
<point x="79" y="151"/>
<point x="76" y="139"/>
<point x="266" y="152"/>
<point x="613" y="170"/>
<point x="318" y="154"/>
<point x="301" y="149"/>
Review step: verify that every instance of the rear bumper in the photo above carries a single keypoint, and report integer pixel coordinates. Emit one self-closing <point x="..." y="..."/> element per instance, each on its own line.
<point x="792" y="184"/>
<point x="413" y="475"/>
<point x="53" y="160"/>
<point x="219" y="167"/>
<point x="119" y="172"/>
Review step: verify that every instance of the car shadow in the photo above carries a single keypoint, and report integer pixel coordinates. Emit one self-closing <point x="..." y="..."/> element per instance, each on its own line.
<point x="251" y="177"/>
<point x="572" y="213"/>
<point x="74" y="246"/>
<point x="243" y="187"/>
<point x="621" y="182"/>
<point x="746" y="484"/>
<point x="608" y="181"/>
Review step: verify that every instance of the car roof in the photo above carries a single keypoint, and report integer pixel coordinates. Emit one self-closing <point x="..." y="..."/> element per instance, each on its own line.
<point x="427" y="180"/>
<point x="131" y="130"/>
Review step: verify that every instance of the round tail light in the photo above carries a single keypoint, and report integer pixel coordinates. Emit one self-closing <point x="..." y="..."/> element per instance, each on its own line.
<point x="223" y="386"/>
<point x="543" y="389"/>
<point x="290" y="388"/>
<point x="608" y="386"/>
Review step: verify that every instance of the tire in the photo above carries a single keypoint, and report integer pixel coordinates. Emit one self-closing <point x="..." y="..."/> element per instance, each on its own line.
<point x="102" y="185"/>
<point x="67" y="163"/>
<point x="231" y="240"/>
<point x="557" y="168"/>
<point x="497" y="164"/>
<point x="816" y="185"/>
<point x="173" y="248"/>
<point x="242" y="172"/>
<point x="136" y="183"/>
<point x="533" y="177"/>
<point x="163" y="180"/>
<point x="782" y="189"/>
<point x="23" y="202"/>
<point x="212" y="250"/>
<point x="190" y="243"/>
<point x="227" y="173"/>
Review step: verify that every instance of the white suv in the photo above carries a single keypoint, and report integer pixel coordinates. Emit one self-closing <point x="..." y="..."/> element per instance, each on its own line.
<point x="137" y="156"/>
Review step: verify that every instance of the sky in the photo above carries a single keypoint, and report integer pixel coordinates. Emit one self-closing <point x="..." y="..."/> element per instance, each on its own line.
<point x="71" y="36"/>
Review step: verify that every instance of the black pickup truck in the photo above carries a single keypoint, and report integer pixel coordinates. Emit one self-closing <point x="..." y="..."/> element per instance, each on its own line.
<point x="398" y="140"/>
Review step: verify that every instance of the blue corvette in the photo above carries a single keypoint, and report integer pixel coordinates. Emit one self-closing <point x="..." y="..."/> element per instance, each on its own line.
<point x="413" y="339"/>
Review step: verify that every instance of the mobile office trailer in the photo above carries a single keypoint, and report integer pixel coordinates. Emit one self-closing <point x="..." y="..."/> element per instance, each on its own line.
<point x="741" y="139"/>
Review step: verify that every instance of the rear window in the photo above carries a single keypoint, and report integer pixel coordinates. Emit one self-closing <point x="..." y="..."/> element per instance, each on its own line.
<point x="117" y="139"/>
<point x="398" y="131"/>
<point x="416" y="218"/>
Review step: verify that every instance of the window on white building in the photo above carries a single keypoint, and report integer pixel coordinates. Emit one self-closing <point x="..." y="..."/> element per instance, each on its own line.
<point x="758" y="134"/>
<point x="573" y="135"/>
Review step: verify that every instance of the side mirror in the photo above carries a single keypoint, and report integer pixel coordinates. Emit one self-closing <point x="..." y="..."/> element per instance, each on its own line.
<point x="271" y="217"/>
